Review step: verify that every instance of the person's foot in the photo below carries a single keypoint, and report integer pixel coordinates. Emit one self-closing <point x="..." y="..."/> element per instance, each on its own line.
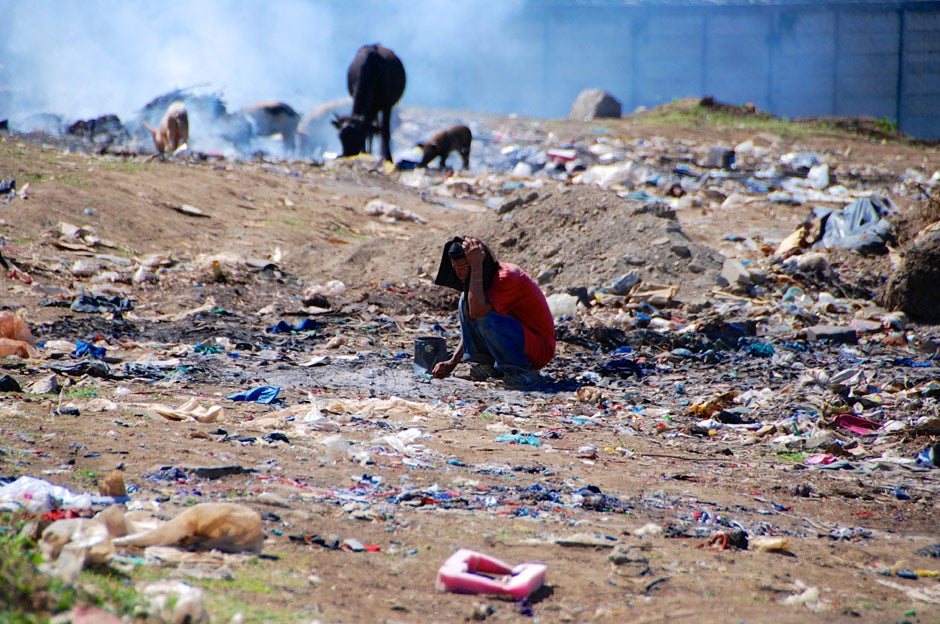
<point x="482" y="372"/>
<point x="522" y="380"/>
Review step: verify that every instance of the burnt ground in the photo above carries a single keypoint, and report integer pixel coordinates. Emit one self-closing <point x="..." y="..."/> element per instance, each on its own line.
<point x="707" y="424"/>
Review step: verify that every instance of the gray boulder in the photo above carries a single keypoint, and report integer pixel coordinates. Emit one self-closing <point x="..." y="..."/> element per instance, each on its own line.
<point x="594" y="103"/>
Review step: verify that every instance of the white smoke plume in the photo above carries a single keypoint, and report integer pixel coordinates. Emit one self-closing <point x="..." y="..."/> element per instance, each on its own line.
<point x="84" y="58"/>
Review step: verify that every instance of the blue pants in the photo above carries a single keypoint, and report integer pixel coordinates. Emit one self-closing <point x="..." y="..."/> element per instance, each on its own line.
<point x="493" y="338"/>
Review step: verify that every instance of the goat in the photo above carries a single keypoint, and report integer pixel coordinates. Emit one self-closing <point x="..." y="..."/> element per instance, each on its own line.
<point x="173" y="130"/>
<point x="444" y="142"/>
<point x="376" y="81"/>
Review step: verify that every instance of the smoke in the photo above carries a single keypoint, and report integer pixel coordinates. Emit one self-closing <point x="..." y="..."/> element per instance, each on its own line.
<point x="83" y="58"/>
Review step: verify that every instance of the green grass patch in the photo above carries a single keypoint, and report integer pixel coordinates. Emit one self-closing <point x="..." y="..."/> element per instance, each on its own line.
<point x="81" y="392"/>
<point x="86" y="477"/>
<point x="339" y="232"/>
<point x="130" y="166"/>
<point x="795" y="457"/>
<point x="258" y="588"/>
<point x="74" y="180"/>
<point x="688" y="115"/>
<point x="31" y="597"/>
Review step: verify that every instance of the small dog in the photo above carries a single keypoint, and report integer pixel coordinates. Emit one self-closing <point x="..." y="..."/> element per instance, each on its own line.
<point x="173" y="130"/>
<point x="443" y="143"/>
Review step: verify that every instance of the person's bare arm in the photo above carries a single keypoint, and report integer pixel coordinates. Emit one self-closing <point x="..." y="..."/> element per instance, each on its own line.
<point x="476" y="296"/>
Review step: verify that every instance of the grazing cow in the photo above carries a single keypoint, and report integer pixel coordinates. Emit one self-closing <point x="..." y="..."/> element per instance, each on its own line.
<point x="173" y="130"/>
<point x="443" y="143"/>
<point x="376" y="81"/>
<point x="270" y="118"/>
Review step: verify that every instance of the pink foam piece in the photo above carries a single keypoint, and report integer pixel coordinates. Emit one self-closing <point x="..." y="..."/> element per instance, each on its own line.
<point x="466" y="572"/>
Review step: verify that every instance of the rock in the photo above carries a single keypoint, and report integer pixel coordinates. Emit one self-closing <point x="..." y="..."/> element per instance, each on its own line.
<point x="624" y="284"/>
<point x="594" y="104"/>
<point x="719" y="158"/>
<point x="45" y="385"/>
<point x="932" y="345"/>
<point x="831" y="333"/>
<point x="682" y="251"/>
<point x="735" y="276"/>
<point x="586" y="540"/>
<point x="912" y="288"/>
<point x="112" y="484"/>
<point x="546" y="276"/>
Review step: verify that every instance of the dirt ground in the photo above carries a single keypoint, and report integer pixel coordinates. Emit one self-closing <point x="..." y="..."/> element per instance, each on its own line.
<point x="607" y="474"/>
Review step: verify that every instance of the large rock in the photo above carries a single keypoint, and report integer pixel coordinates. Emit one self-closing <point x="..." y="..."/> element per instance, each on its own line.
<point x="593" y="103"/>
<point x="913" y="287"/>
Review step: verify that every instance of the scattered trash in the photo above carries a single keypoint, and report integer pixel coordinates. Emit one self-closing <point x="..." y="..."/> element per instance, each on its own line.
<point x="38" y="496"/>
<point x="101" y="303"/>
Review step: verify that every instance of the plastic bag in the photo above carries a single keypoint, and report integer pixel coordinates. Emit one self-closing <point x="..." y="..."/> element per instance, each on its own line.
<point x="176" y="601"/>
<point x="860" y="225"/>
<point x="38" y="496"/>
<point x="66" y="545"/>
<point x="229" y="527"/>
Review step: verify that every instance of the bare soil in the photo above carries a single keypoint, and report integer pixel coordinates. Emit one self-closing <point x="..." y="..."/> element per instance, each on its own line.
<point x="663" y="490"/>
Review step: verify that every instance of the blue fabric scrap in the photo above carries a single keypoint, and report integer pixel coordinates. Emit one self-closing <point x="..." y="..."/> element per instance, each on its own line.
<point x="261" y="394"/>
<point x="308" y="324"/>
<point x="86" y="348"/>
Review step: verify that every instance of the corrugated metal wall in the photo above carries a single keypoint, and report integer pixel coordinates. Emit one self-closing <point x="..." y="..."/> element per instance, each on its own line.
<point x="877" y="60"/>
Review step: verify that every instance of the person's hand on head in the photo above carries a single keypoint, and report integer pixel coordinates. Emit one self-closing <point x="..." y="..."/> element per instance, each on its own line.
<point x="474" y="250"/>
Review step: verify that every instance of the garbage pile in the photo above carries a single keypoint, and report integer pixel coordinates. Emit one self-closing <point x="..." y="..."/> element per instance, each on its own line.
<point x="723" y="399"/>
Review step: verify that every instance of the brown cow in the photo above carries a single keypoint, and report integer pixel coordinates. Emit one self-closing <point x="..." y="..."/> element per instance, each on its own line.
<point x="173" y="130"/>
<point x="443" y="143"/>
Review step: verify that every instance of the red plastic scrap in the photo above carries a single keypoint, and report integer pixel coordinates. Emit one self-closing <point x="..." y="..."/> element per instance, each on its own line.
<point x="716" y="543"/>
<point x="65" y="514"/>
<point x="470" y="572"/>
<point x="856" y="424"/>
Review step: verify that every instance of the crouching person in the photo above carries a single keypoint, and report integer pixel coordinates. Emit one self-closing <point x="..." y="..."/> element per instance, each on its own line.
<point x="507" y="329"/>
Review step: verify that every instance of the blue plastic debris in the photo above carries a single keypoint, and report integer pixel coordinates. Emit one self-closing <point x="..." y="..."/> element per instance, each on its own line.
<point x="307" y="324"/>
<point x="86" y="348"/>
<point x="262" y="394"/>
<point x="518" y="438"/>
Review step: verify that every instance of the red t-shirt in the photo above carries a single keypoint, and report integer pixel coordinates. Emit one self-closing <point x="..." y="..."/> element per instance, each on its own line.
<point x="515" y="294"/>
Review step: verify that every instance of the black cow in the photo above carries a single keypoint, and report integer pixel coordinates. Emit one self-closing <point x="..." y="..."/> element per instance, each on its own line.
<point x="376" y="81"/>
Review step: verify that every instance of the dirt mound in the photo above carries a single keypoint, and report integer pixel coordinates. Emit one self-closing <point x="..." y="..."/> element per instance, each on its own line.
<point x="909" y="223"/>
<point x="877" y="129"/>
<point x="913" y="287"/>
<point x="575" y="236"/>
<point x="740" y="110"/>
